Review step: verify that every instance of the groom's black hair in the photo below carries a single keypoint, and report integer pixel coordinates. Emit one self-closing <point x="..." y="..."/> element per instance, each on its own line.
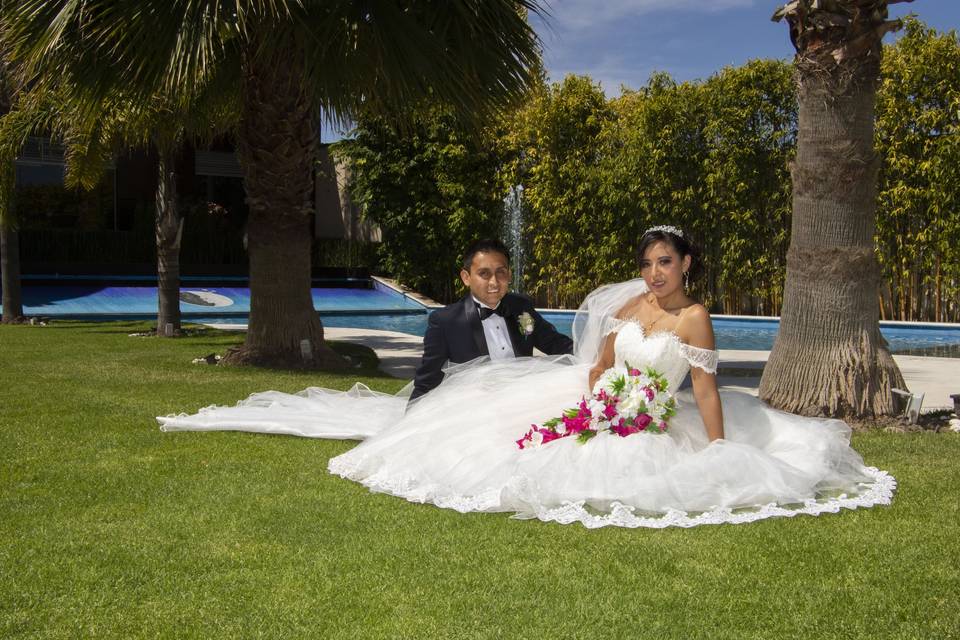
<point x="485" y="245"/>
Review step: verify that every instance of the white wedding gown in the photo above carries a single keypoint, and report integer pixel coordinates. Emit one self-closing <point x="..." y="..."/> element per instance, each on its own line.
<point x="456" y="446"/>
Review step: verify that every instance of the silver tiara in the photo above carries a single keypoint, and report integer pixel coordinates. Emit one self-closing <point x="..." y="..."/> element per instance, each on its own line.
<point x="665" y="228"/>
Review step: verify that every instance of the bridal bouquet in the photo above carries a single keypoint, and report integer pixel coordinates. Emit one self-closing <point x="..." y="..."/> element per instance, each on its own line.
<point x="624" y="401"/>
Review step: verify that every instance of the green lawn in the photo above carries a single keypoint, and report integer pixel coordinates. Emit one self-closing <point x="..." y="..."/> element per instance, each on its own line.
<point x="111" y="529"/>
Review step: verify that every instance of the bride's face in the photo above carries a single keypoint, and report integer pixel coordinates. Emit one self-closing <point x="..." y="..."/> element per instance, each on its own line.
<point x="488" y="277"/>
<point x="662" y="268"/>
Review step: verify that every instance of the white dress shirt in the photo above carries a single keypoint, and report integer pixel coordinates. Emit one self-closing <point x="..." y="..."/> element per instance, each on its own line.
<point x="498" y="339"/>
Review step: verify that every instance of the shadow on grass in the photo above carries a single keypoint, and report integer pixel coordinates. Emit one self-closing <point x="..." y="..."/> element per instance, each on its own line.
<point x="364" y="359"/>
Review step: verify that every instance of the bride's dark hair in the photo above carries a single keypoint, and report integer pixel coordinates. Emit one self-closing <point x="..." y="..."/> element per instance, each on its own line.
<point x="681" y="243"/>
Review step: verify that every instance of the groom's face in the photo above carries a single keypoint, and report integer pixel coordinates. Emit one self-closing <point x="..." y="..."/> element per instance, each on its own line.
<point x="488" y="277"/>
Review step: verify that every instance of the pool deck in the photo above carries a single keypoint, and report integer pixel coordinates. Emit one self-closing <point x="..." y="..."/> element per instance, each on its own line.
<point x="936" y="378"/>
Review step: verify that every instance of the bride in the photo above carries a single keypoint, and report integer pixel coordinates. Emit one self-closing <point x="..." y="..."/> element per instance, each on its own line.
<point x="725" y="458"/>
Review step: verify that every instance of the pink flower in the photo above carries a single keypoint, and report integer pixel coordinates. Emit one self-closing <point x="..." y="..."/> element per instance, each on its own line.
<point x="624" y="430"/>
<point x="584" y="411"/>
<point x="576" y="425"/>
<point x="527" y="437"/>
<point x="583" y="421"/>
<point x="549" y="436"/>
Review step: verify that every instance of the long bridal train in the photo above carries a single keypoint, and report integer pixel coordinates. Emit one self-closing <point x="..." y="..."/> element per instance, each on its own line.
<point x="455" y="447"/>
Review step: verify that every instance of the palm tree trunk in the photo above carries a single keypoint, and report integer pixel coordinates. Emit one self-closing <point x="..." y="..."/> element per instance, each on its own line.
<point x="10" y="268"/>
<point x="829" y="358"/>
<point x="277" y="145"/>
<point x="169" y="230"/>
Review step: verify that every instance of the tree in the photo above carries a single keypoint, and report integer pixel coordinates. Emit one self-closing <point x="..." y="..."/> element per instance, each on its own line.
<point x="829" y="357"/>
<point x="918" y="136"/>
<point x="554" y="144"/>
<point x="709" y="157"/>
<point x="9" y="237"/>
<point x="750" y="131"/>
<point x="287" y="62"/>
<point x="431" y="188"/>
<point x="92" y="133"/>
<point x="655" y="155"/>
<point x="166" y="126"/>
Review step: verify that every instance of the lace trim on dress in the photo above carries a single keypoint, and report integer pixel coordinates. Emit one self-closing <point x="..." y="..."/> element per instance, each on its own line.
<point x="520" y="493"/>
<point x="878" y="492"/>
<point x="706" y="359"/>
<point x="612" y="325"/>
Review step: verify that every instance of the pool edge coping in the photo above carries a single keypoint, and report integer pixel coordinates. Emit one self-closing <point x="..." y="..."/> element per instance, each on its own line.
<point x="396" y="287"/>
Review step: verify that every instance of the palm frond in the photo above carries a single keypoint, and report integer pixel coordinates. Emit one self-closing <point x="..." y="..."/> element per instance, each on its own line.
<point x="474" y="55"/>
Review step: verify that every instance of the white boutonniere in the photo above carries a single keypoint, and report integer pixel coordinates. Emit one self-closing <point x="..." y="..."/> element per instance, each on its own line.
<point x="525" y="321"/>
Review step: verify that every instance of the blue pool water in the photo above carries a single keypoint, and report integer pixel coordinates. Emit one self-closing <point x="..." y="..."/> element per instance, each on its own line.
<point x="379" y="307"/>
<point x="79" y="301"/>
<point x="749" y="335"/>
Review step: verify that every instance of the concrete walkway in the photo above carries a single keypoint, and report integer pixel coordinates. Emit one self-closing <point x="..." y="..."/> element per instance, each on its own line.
<point x="936" y="378"/>
<point x="399" y="353"/>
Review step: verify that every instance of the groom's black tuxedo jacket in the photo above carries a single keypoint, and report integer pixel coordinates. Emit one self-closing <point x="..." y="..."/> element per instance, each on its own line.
<point x="454" y="334"/>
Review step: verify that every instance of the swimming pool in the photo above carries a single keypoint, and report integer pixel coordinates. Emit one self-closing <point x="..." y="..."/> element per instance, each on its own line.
<point x="732" y="333"/>
<point x="370" y="304"/>
<point x="127" y="301"/>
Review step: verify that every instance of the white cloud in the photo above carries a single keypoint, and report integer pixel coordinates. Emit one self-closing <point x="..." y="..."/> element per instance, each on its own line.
<point x="623" y="41"/>
<point x="613" y="70"/>
<point x="587" y="13"/>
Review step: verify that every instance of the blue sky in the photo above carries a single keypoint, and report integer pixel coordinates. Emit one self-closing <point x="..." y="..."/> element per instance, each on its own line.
<point x="621" y="42"/>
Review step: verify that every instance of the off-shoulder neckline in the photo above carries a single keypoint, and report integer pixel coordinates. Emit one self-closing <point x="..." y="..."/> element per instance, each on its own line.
<point x="669" y="332"/>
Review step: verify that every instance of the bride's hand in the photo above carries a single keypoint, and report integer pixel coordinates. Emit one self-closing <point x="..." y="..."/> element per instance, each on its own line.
<point x="604" y="360"/>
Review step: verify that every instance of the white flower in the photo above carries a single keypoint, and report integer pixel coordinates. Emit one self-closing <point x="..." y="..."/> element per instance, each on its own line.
<point x="596" y="407"/>
<point x="537" y="439"/>
<point x="525" y="320"/>
<point x="629" y="406"/>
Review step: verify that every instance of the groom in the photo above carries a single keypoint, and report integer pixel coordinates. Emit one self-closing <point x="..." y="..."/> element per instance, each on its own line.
<point x="488" y="321"/>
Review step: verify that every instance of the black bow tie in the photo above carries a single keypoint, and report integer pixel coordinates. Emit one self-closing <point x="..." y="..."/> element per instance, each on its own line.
<point x="486" y="312"/>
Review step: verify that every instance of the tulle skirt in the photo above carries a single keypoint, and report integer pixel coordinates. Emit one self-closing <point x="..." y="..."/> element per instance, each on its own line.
<point x="456" y="448"/>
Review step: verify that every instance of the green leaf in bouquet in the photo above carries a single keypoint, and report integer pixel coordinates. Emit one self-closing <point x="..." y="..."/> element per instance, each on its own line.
<point x="571" y="413"/>
<point x="585" y="435"/>
<point x="618" y="385"/>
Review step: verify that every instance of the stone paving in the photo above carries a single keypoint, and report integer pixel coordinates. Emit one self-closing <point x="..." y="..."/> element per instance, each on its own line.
<point x="936" y="378"/>
<point x="399" y="353"/>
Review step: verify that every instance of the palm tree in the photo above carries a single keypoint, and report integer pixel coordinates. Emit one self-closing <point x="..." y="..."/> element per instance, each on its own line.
<point x="165" y="126"/>
<point x="9" y="237"/>
<point x="288" y="62"/>
<point x="829" y="357"/>
<point x="92" y="132"/>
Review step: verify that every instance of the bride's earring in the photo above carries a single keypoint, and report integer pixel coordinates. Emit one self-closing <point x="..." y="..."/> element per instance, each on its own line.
<point x="686" y="281"/>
